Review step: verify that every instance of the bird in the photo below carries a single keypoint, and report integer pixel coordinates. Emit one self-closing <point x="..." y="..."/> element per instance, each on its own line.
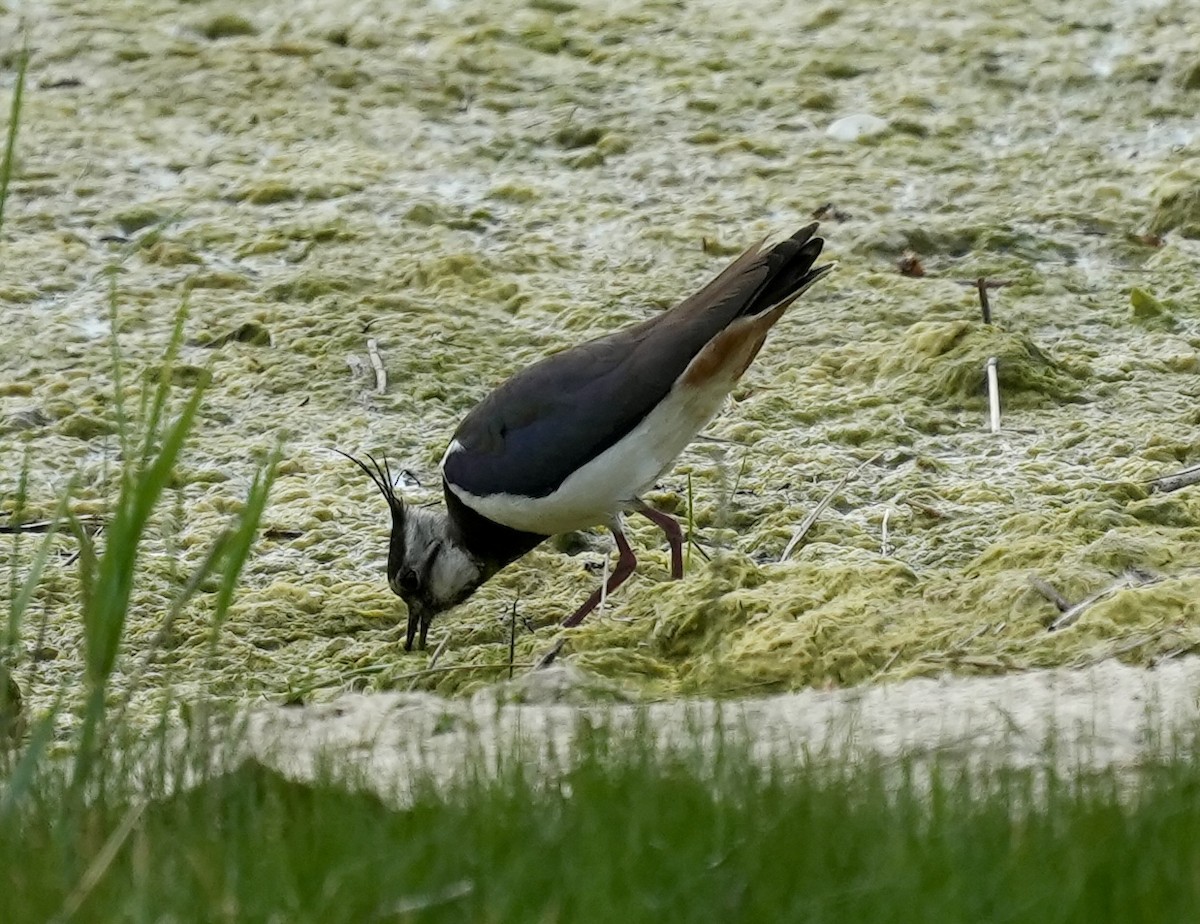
<point x="574" y="440"/>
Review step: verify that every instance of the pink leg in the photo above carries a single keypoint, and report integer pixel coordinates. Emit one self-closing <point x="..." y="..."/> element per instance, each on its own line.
<point x="625" y="565"/>
<point x="670" y="526"/>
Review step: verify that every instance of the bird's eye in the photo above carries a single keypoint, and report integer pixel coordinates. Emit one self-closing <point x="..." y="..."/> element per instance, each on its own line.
<point x="409" y="582"/>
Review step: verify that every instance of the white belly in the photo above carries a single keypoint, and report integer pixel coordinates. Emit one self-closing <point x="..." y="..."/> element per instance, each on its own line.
<point x="597" y="492"/>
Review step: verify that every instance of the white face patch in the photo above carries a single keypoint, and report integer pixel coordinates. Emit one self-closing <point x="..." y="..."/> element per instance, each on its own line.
<point x="451" y="574"/>
<point x="447" y="574"/>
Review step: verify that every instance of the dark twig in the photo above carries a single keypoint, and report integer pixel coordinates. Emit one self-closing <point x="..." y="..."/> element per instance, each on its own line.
<point x="982" y="286"/>
<point x="548" y="658"/>
<point x="830" y="212"/>
<point x="74" y="556"/>
<point x="44" y="526"/>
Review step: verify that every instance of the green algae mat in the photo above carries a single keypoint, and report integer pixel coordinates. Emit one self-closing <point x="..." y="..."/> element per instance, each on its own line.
<point x="451" y="190"/>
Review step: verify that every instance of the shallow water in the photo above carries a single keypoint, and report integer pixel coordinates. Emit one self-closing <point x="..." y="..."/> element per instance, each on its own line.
<point x="474" y="184"/>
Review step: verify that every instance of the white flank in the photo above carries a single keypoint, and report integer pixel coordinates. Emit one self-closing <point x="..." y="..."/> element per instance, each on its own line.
<point x="597" y="492"/>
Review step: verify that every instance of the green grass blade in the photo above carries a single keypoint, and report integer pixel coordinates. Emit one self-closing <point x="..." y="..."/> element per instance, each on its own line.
<point x="20" y="775"/>
<point x="19" y="601"/>
<point x="154" y="416"/>
<point x="104" y="618"/>
<point x="243" y="538"/>
<point x="87" y="562"/>
<point x="7" y="165"/>
<point x="17" y="516"/>
<point x="123" y="432"/>
<point x="104" y="621"/>
<point x="216" y="552"/>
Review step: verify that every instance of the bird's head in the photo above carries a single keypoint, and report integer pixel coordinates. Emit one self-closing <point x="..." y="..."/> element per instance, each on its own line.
<point x="427" y="567"/>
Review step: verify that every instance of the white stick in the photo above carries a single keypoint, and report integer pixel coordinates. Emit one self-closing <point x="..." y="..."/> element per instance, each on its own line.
<point x="1165" y="483"/>
<point x="377" y="363"/>
<point x="885" y="547"/>
<point x="993" y="383"/>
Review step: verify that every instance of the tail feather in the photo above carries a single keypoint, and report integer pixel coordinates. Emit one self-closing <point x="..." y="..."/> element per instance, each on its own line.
<point x="791" y="270"/>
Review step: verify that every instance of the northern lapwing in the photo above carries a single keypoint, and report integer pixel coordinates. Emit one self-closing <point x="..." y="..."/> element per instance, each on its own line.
<point x="574" y="440"/>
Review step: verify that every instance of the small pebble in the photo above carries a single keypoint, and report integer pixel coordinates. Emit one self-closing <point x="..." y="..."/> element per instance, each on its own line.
<point x="856" y="127"/>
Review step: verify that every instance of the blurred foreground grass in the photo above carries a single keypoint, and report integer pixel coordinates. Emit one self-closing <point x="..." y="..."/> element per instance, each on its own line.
<point x="624" y="835"/>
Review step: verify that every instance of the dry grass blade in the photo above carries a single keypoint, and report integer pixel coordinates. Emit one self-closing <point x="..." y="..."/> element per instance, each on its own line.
<point x="297" y="694"/>
<point x="603" y="589"/>
<point x="895" y="655"/>
<point x="415" y="903"/>
<point x="437" y="653"/>
<point x="1129" y="579"/>
<point x="99" y="866"/>
<point x="1139" y="641"/>
<point x="454" y="668"/>
<point x="809" y="520"/>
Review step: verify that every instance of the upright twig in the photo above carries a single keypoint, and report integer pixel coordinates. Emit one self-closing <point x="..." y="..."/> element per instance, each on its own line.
<point x="512" y="638"/>
<point x="981" y="285"/>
